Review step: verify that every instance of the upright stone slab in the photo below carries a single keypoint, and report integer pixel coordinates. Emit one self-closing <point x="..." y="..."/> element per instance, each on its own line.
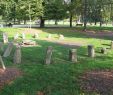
<point x="111" y="45"/>
<point x="91" y="51"/>
<point x="5" y="38"/>
<point x="16" y="36"/>
<point x="49" y="36"/>
<point x="2" y="63"/>
<point x="8" y="50"/>
<point x="36" y="35"/>
<point x="73" y="55"/>
<point x="48" y="55"/>
<point x="23" y="36"/>
<point x="17" y="55"/>
<point x="61" y="37"/>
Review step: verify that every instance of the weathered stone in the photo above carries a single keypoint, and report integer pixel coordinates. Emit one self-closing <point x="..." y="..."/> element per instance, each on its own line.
<point x="2" y="63"/>
<point x="5" y="38"/>
<point x="8" y="50"/>
<point x="23" y="36"/>
<point x="17" y="55"/>
<point x="73" y="55"/>
<point x="103" y="50"/>
<point x="61" y="37"/>
<point x="36" y="35"/>
<point x="1" y="46"/>
<point x="111" y="45"/>
<point x="91" y="51"/>
<point x="16" y="36"/>
<point x="28" y="42"/>
<point x="49" y="36"/>
<point x="48" y="55"/>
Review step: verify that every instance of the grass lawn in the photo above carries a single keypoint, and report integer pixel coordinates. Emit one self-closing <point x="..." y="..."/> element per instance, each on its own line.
<point x="61" y="77"/>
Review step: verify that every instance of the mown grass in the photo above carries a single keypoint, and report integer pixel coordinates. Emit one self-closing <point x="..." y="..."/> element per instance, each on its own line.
<point x="61" y="77"/>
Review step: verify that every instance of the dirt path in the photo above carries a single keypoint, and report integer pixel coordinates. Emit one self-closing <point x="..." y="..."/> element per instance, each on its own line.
<point x="7" y="76"/>
<point x="100" y="82"/>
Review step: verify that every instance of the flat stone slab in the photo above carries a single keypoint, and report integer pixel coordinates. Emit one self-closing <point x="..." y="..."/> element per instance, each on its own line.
<point x="28" y="42"/>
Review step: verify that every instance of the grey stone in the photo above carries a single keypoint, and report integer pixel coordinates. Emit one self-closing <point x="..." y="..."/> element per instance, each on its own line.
<point x="73" y="55"/>
<point x="17" y="55"/>
<point x="5" y="37"/>
<point x="8" y="50"/>
<point x="91" y="51"/>
<point x="48" y="55"/>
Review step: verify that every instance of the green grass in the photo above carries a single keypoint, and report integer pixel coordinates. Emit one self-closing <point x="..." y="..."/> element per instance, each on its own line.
<point x="61" y="77"/>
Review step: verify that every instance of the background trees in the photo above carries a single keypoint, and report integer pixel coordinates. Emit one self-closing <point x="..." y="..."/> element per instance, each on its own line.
<point x="81" y="10"/>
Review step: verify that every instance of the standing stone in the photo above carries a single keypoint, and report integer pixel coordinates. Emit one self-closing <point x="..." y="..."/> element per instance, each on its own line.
<point x="49" y="36"/>
<point x="73" y="55"/>
<point x="91" y="51"/>
<point x="17" y="55"/>
<point x="2" y="63"/>
<point x="8" y="50"/>
<point x="5" y="38"/>
<point x="61" y="37"/>
<point x="36" y="35"/>
<point x="111" y="44"/>
<point x="16" y="36"/>
<point x="48" y="55"/>
<point x="23" y="36"/>
<point x="103" y="50"/>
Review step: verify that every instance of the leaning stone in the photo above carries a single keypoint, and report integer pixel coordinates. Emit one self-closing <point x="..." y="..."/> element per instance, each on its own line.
<point x="73" y="55"/>
<point x="48" y="55"/>
<point x="8" y="50"/>
<point x="5" y="38"/>
<point x="17" y="55"/>
<point x="2" y="63"/>
<point x="91" y="51"/>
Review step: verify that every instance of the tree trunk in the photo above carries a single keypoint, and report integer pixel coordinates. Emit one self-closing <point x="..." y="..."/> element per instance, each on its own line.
<point x="42" y="22"/>
<point x="56" y="22"/>
<point x="24" y="21"/>
<point x="71" y="18"/>
<point x="85" y="13"/>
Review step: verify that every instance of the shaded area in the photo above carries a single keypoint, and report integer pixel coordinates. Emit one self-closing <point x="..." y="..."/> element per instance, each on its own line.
<point x="100" y="81"/>
<point x="8" y="75"/>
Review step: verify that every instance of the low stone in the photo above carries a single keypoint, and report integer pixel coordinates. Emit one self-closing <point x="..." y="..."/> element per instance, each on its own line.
<point x="36" y="35"/>
<point x="91" y="51"/>
<point x="23" y="36"/>
<point x="49" y="36"/>
<point x="61" y="37"/>
<point x="16" y="36"/>
<point x="103" y="50"/>
<point x="73" y="55"/>
<point x="28" y="42"/>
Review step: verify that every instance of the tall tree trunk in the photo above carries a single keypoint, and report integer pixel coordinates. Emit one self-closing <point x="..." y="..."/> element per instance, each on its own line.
<point x="56" y="22"/>
<point x="85" y="13"/>
<point x="42" y="22"/>
<point x="71" y="19"/>
<point x="24" y="21"/>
